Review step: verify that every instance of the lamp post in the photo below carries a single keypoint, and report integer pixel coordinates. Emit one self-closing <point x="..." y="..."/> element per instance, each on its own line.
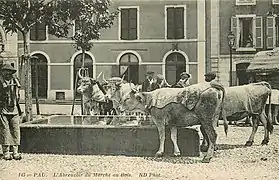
<point x="231" y="39"/>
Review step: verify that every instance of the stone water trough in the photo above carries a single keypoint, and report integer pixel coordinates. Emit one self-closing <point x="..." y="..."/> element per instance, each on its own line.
<point x="85" y="135"/>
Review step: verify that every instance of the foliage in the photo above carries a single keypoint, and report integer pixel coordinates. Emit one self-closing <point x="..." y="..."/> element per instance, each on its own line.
<point x="91" y="17"/>
<point x="21" y="15"/>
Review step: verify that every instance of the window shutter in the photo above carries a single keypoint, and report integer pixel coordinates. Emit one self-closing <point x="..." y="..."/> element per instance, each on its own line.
<point x="258" y="42"/>
<point x="125" y="24"/>
<point x="270" y="31"/>
<point x="234" y="31"/>
<point x="179" y="24"/>
<point x="133" y="24"/>
<point x="41" y="32"/>
<point x="33" y="33"/>
<point x="170" y="23"/>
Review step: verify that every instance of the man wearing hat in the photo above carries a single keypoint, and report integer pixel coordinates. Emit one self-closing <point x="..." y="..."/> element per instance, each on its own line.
<point x="160" y="82"/>
<point x="9" y="114"/>
<point x="210" y="76"/>
<point x="183" y="81"/>
<point x="149" y="83"/>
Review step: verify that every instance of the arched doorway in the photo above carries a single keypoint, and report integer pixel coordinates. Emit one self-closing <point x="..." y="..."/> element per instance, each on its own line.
<point x="174" y="66"/>
<point x="242" y="74"/>
<point x="42" y="75"/>
<point x="129" y="66"/>
<point x="88" y="63"/>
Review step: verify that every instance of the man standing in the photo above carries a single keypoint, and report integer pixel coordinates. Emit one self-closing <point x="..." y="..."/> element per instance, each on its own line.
<point x="160" y="82"/>
<point x="149" y="84"/>
<point x="9" y="117"/>
<point x="210" y="76"/>
<point x="183" y="81"/>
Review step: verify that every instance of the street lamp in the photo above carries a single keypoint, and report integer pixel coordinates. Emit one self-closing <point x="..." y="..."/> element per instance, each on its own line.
<point x="231" y="39"/>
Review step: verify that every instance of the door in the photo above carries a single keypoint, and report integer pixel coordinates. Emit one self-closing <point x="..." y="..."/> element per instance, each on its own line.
<point x="42" y="74"/>
<point x="175" y="65"/>
<point x="129" y="66"/>
<point x="241" y="73"/>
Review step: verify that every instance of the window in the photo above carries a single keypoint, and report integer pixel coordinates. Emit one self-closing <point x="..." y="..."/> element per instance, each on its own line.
<point x="129" y="67"/>
<point x="38" y="32"/>
<point x="245" y="2"/>
<point x="272" y="32"/>
<point x="248" y="32"/>
<point x="77" y="25"/>
<point x="275" y="1"/>
<point x="129" y="23"/>
<point x="175" y="22"/>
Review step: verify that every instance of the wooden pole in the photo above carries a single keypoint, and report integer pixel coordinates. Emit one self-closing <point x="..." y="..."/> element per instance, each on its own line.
<point x="75" y="88"/>
<point x="37" y="86"/>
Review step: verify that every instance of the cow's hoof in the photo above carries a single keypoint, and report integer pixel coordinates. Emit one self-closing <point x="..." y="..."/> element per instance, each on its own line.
<point x="203" y="148"/>
<point x="206" y="160"/>
<point x="249" y="143"/>
<point x="159" y="154"/>
<point x="265" y="142"/>
<point x="177" y="154"/>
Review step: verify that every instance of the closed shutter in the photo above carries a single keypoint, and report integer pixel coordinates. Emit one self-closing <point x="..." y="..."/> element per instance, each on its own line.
<point x="41" y="32"/>
<point x="258" y="42"/>
<point x="179" y="23"/>
<point x="133" y="24"/>
<point x="270" y="31"/>
<point x="234" y="31"/>
<point x="77" y="25"/>
<point x="170" y="23"/>
<point x="38" y="32"/>
<point x="33" y="33"/>
<point x="125" y="24"/>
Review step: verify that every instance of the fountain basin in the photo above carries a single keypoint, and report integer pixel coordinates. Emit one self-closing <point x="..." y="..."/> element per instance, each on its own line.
<point x="82" y="135"/>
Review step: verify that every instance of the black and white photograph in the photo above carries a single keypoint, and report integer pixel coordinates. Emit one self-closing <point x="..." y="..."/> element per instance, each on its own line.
<point x="139" y="89"/>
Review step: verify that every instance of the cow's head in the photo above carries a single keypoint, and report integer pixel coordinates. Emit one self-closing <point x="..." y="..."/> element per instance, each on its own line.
<point x="91" y="88"/>
<point x="85" y="85"/>
<point x="134" y="101"/>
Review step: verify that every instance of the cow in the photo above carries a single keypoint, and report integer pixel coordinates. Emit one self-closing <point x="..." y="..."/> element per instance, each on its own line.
<point x="198" y="104"/>
<point x="94" y="99"/>
<point x="250" y="101"/>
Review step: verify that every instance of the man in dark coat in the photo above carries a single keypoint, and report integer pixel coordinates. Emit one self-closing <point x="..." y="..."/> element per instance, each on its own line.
<point x="9" y="113"/>
<point x="149" y="83"/>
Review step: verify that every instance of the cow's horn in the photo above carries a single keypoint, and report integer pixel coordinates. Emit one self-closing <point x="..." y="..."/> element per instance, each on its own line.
<point x="79" y="73"/>
<point x="99" y="75"/>
<point x="122" y="78"/>
<point x="104" y="79"/>
<point x="132" y="89"/>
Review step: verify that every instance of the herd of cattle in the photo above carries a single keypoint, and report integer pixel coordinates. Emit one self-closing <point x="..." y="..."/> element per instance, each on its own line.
<point x="199" y="104"/>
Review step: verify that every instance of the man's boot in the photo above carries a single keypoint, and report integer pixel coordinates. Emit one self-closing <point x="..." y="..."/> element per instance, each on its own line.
<point x="6" y="152"/>
<point x="16" y="155"/>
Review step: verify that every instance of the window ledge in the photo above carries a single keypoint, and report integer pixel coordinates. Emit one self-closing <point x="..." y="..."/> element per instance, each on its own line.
<point x="242" y="49"/>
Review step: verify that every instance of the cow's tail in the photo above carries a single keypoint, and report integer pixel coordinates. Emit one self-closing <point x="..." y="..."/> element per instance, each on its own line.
<point x="269" y="121"/>
<point x="220" y="87"/>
